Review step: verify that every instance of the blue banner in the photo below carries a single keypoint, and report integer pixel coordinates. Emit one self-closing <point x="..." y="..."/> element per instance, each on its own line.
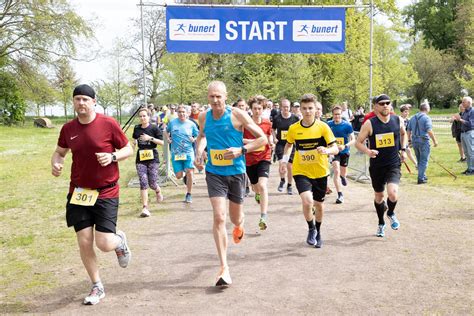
<point x="248" y="30"/>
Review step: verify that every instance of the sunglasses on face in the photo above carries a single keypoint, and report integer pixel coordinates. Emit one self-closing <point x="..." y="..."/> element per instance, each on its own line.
<point x="384" y="103"/>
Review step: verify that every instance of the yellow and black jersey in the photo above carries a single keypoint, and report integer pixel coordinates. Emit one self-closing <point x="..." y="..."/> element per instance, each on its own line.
<point x="308" y="162"/>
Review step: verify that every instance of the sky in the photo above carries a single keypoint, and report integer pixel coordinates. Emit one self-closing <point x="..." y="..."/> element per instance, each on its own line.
<point x="113" y="18"/>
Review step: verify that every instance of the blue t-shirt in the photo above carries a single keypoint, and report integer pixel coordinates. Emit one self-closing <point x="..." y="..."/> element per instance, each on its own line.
<point x="419" y="126"/>
<point x="180" y="133"/>
<point x="341" y="130"/>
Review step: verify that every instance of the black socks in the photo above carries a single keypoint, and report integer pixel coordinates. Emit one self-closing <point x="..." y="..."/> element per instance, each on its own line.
<point x="380" y="208"/>
<point x="391" y="207"/>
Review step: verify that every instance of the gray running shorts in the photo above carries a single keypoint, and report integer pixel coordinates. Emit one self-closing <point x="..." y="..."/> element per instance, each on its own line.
<point x="231" y="187"/>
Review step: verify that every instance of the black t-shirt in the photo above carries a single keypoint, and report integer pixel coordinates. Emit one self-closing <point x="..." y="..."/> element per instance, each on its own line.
<point x="154" y="132"/>
<point x="357" y="122"/>
<point x="283" y="124"/>
<point x="386" y="139"/>
<point x="273" y="114"/>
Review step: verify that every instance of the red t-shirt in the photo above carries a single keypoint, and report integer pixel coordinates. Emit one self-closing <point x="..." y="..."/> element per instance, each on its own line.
<point x="263" y="153"/>
<point x="194" y="116"/>
<point x="103" y="134"/>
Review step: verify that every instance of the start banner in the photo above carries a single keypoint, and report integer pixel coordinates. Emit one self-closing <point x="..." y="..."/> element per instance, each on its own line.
<point x="248" y="30"/>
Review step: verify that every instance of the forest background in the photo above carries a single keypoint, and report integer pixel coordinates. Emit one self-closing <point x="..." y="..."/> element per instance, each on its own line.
<point x="421" y="51"/>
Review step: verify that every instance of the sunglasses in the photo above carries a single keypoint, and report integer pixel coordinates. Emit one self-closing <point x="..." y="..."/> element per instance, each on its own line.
<point x="384" y="103"/>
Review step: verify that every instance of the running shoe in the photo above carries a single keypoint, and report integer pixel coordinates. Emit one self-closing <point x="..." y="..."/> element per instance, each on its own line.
<point x="281" y="186"/>
<point x="395" y="224"/>
<point x="380" y="231"/>
<point x="262" y="223"/>
<point x="238" y="234"/>
<point x="343" y="181"/>
<point x="123" y="252"/>
<point x="311" y="239"/>
<point x="289" y="190"/>
<point x="94" y="296"/>
<point x="340" y="199"/>
<point x="257" y="197"/>
<point x="188" y="198"/>
<point x="159" y="197"/>
<point x="145" y="212"/>
<point x="224" y="279"/>
<point x="319" y="241"/>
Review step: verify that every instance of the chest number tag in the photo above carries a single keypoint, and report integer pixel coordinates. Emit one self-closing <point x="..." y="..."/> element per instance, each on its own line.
<point x="217" y="158"/>
<point x="179" y="157"/>
<point x="340" y="141"/>
<point x="283" y="135"/>
<point x="384" y="140"/>
<point x="84" y="197"/>
<point x="308" y="156"/>
<point x="146" y="154"/>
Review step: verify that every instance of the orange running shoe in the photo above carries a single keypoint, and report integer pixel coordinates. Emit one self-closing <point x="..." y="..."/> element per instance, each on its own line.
<point x="238" y="234"/>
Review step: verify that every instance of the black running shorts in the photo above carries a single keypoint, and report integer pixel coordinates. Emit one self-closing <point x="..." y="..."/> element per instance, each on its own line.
<point x="259" y="170"/>
<point x="102" y="215"/>
<point x="231" y="187"/>
<point x="342" y="158"/>
<point x="317" y="186"/>
<point x="383" y="175"/>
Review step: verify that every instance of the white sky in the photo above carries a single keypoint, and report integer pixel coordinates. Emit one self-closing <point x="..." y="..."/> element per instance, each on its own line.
<point x="113" y="19"/>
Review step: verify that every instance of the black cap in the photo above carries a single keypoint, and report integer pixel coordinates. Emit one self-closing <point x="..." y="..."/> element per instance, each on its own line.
<point x="380" y="98"/>
<point x="84" y="89"/>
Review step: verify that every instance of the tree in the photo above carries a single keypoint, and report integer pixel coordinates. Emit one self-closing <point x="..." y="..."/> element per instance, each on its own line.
<point x="435" y="71"/>
<point x="155" y="47"/>
<point x="12" y="105"/>
<point x="65" y="82"/>
<point x="185" y="80"/>
<point x="39" y="31"/>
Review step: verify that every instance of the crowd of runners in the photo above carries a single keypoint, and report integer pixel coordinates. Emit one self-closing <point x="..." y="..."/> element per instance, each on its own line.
<point x="235" y="146"/>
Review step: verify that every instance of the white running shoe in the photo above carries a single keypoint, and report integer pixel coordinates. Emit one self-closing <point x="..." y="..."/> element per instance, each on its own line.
<point x="94" y="296"/>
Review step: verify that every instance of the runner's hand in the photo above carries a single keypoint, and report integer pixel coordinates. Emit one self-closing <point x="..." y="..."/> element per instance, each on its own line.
<point x="56" y="169"/>
<point x="233" y="152"/>
<point x="199" y="162"/>
<point x="104" y="159"/>
<point x="145" y="137"/>
<point x="372" y="153"/>
<point x="322" y="150"/>
<point x="403" y="156"/>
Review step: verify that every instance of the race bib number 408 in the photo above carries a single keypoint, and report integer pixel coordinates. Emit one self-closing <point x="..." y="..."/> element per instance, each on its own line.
<point x="384" y="140"/>
<point x="217" y="158"/>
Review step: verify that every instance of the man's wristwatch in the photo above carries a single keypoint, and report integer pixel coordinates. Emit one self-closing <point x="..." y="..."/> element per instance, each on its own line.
<point x="403" y="149"/>
<point x="152" y="139"/>
<point x="114" y="158"/>
<point x="244" y="150"/>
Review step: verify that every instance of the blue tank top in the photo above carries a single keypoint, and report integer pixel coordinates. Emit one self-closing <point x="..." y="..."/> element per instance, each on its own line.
<point x="220" y="135"/>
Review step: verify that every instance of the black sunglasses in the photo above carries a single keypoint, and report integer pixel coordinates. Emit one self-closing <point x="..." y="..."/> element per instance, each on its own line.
<point x="384" y="103"/>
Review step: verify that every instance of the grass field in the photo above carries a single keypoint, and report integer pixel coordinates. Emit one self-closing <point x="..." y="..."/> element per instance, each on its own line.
<point x="34" y="240"/>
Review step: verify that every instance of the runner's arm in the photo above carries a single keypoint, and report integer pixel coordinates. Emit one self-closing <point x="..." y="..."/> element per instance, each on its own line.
<point x="57" y="160"/>
<point x="365" y="131"/>
<point x="252" y="127"/>
<point x="201" y="139"/>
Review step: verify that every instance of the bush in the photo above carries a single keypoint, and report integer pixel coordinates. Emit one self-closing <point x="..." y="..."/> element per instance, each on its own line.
<point x="12" y="105"/>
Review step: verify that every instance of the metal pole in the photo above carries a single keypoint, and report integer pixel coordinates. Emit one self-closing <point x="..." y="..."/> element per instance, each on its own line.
<point x="143" y="54"/>
<point x="371" y="48"/>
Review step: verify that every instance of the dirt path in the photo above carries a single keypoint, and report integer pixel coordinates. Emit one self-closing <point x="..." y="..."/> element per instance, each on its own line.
<point x="424" y="268"/>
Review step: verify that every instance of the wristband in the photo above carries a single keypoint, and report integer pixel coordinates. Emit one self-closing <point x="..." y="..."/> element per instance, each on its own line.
<point x="403" y="149"/>
<point x="285" y="158"/>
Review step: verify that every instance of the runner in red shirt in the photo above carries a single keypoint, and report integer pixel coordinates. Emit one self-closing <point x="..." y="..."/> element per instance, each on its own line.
<point x="97" y="143"/>
<point x="258" y="162"/>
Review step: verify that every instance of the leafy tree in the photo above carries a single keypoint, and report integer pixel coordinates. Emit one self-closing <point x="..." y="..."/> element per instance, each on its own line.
<point x="435" y="71"/>
<point x="39" y="31"/>
<point x="105" y="94"/>
<point x="185" y="80"/>
<point x="65" y="83"/>
<point x="12" y="105"/>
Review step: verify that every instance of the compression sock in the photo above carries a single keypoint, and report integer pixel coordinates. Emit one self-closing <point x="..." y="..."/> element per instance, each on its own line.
<point x="310" y="224"/>
<point x="391" y="207"/>
<point x="282" y="179"/>
<point x="380" y="208"/>
<point x="318" y="226"/>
